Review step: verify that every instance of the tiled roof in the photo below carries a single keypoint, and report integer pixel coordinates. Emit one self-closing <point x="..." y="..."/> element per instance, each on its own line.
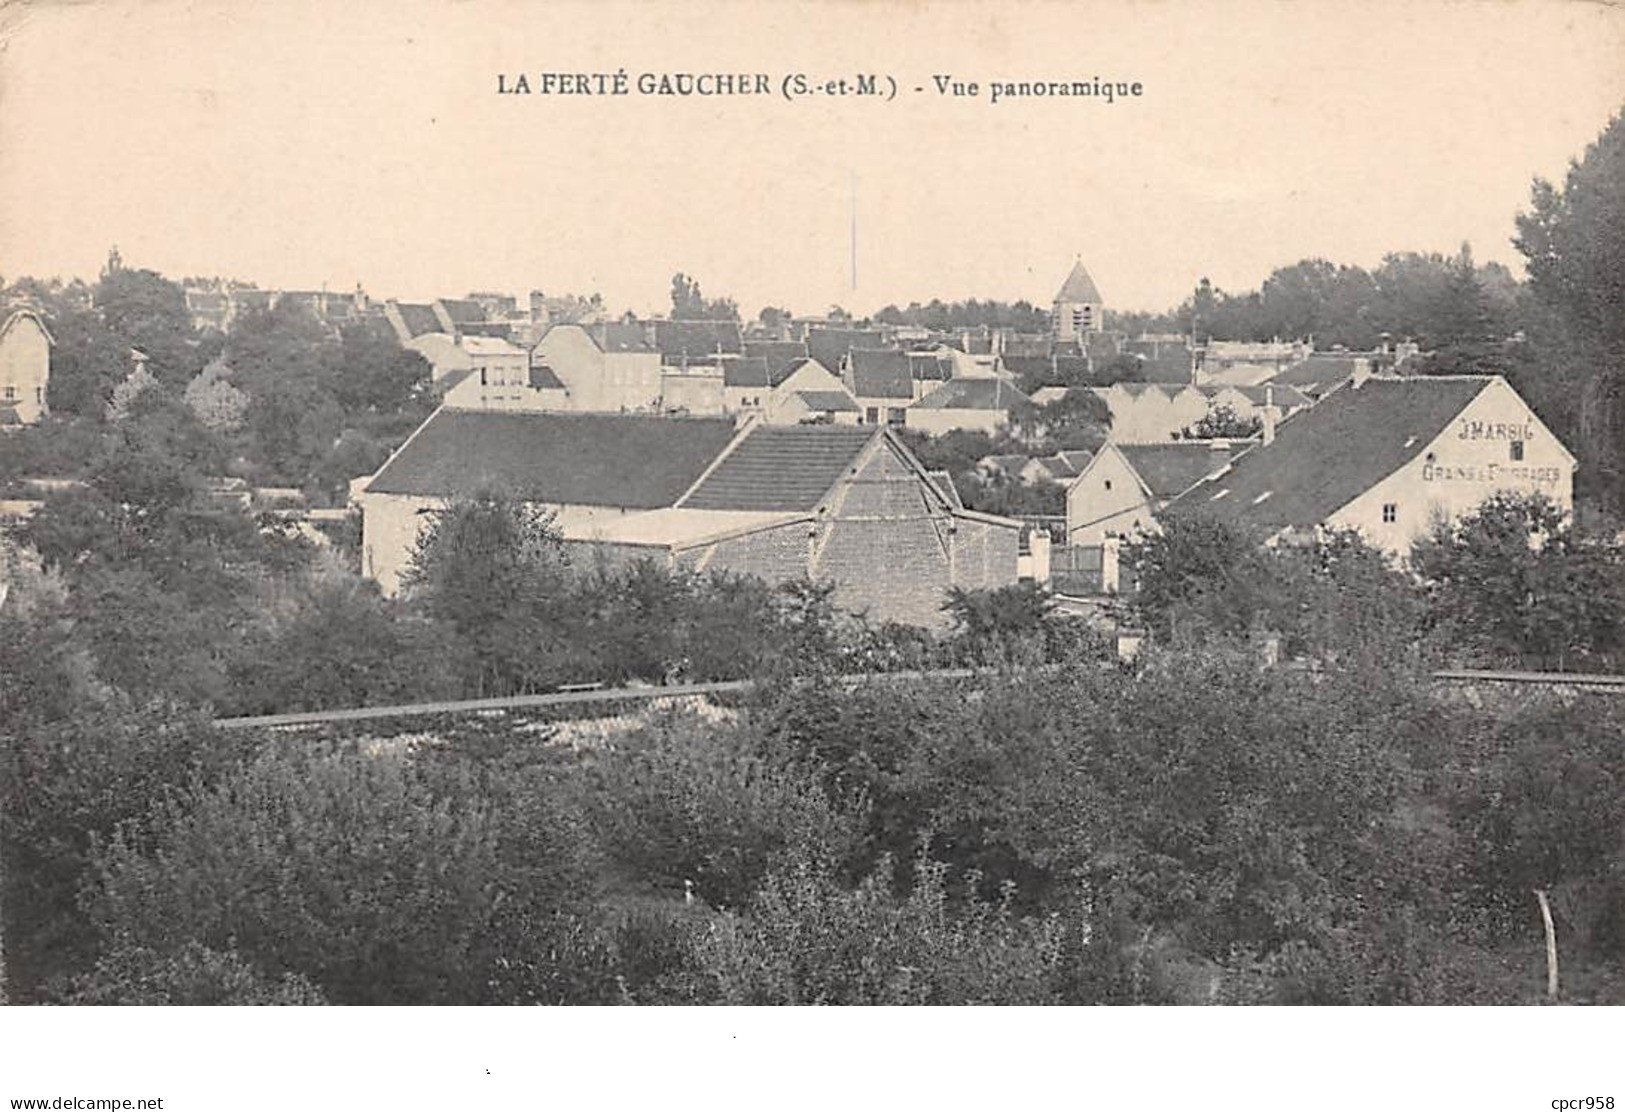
<point x="1062" y="466"/>
<point x="1286" y="397"/>
<point x="827" y="401"/>
<point x="929" y="367"/>
<point x="543" y="378"/>
<point x="881" y="374"/>
<point x="588" y="459"/>
<point x="449" y="381"/>
<point x="372" y="325"/>
<point x="976" y="393"/>
<point x="756" y="370"/>
<point x="782" y="467"/>
<point x="1333" y="452"/>
<point x="945" y="483"/>
<point x="684" y="340"/>
<point x="419" y="319"/>
<point x="502" y="330"/>
<point x="619" y="337"/>
<point x="1317" y="374"/>
<point x="463" y="311"/>
<point x="1169" y="470"/>
<point x="783" y="355"/>
<point x="830" y="345"/>
<point x="1035" y="368"/>
<point x="1079" y="286"/>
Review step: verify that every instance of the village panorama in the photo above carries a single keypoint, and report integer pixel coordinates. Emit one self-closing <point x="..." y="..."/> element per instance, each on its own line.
<point x="513" y="648"/>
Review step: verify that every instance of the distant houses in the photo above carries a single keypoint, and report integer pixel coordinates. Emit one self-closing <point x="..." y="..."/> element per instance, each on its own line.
<point x="25" y="367"/>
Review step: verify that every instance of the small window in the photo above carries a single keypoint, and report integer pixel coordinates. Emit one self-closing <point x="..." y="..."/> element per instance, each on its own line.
<point x="1390" y="513"/>
<point x="896" y="417"/>
<point x="39" y="395"/>
<point x="872" y="415"/>
<point x="11" y="393"/>
<point x="1108" y="484"/>
<point x="1517" y="449"/>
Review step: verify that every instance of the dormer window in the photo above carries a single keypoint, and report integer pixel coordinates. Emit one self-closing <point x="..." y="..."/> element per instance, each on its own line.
<point x="1262" y="497"/>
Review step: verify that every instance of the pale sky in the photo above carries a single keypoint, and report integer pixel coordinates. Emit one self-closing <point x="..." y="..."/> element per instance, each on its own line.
<point x="300" y="143"/>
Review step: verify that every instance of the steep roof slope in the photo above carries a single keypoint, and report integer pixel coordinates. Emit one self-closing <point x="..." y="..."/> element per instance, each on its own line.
<point x="1328" y="455"/>
<point x="1173" y="468"/>
<point x="976" y="393"/>
<point x="782" y="467"/>
<point x="1079" y="286"/>
<point x="880" y="374"/>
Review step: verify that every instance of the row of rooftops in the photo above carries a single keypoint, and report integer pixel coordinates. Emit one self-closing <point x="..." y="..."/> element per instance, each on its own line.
<point x="1317" y="462"/>
<point x="628" y="462"/>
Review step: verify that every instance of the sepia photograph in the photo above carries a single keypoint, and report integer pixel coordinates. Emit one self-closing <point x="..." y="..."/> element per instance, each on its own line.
<point x="604" y="508"/>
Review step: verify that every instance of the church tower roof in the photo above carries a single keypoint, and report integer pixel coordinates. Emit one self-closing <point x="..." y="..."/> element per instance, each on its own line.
<point x="1079" y="287"/>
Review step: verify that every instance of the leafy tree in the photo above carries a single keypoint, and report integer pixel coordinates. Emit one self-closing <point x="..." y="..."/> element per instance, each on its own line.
<point x="1223" y="423"/>
<point x="194" y="975"/>
<point x="1078" y="420"/>
<point x="337" y="867"/>
<point x="993" y="624"/>
<point x="1465" y="336"/>
<point x="1119" y="368"/>
<point x="378" y="375"/>
<point x="147" y="312"/>
<point x="688" y="303"/>
<point x="1573" y="239"/>
<point x="492" y="569"/>
<point x="342" y="646"/>
<point x="812" y="941"/>
<point x="218" y="404"/>
<point x="72" y="775"/>
<point x="686" y="802"/>
<point x="1510" y="583"/>
<point x="774" y="318"/>
<point x="87" y="360"/>
<point x="1187" y="554"/>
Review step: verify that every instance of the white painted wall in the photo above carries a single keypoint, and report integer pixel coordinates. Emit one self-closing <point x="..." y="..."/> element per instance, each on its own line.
<point x="1466" y="464"/>
<point x="25" y="368"/>
<point x="1107" y="500"/>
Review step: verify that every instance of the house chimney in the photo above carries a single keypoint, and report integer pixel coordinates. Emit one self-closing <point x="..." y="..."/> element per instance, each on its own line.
<point x="1270" y="415"/>
<point x="1362" y="371"/>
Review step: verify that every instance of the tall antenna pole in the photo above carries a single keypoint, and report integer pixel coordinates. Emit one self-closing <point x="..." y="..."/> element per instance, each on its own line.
<point x="854" y="207"/>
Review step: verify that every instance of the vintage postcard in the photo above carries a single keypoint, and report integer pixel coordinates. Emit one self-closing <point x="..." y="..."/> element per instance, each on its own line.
<point x="888" y="503"/>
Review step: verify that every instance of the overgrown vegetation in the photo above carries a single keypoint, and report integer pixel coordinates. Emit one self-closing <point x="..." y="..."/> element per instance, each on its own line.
<point x="1203" y="826"/>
